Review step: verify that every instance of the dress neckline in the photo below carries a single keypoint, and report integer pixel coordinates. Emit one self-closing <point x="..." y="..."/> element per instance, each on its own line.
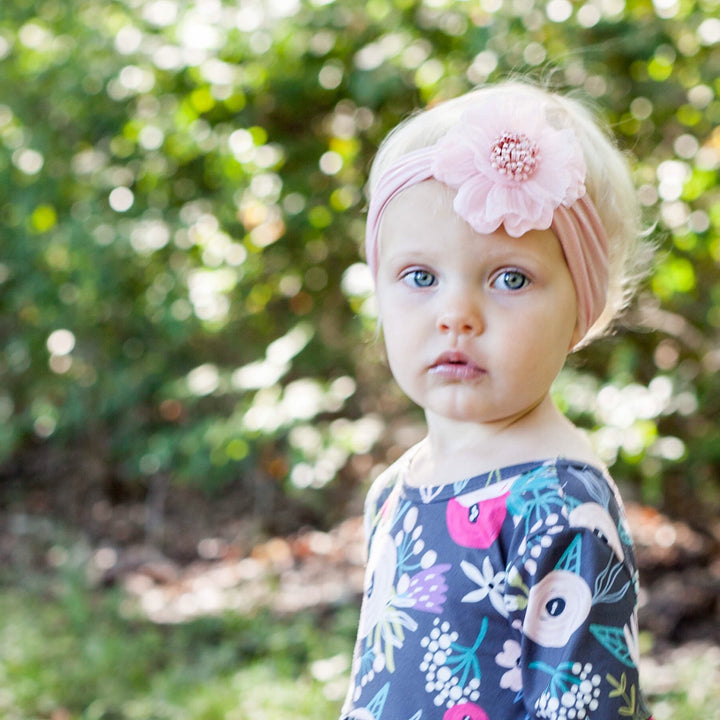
<point x="445" y="491"/>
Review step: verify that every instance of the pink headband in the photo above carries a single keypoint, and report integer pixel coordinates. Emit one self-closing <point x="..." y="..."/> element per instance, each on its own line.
<point x="517" y="172"/>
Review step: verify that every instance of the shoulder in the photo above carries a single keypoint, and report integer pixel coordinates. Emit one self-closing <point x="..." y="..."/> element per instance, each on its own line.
<point x="562" y="500"/>
<point x="589" y="489"/>
<point x="571" y="482"/>
<point x="393" y="476"/>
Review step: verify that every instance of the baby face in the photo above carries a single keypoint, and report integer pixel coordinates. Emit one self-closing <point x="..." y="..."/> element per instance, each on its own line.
<point x="476" y="327"/>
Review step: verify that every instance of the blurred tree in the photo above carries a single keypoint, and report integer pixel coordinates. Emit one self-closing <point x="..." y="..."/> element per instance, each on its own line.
<point x="181" y="292"/>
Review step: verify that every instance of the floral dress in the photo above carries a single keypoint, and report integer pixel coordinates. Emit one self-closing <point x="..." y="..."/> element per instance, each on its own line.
<point x="510" y="595"/>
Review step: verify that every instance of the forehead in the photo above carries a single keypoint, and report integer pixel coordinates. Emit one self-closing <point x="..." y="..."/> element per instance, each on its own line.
<point x="421" y="220"/>
<point x="415" y="206"/>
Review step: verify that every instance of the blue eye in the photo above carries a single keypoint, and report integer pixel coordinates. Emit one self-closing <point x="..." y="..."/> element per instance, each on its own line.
<point x="511" y="280"/>
<point x="420" y="278"/>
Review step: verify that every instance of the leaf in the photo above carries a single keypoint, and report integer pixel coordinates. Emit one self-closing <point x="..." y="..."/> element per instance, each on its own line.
<point x="619" y="685"/>
<point x="613" y="640"/>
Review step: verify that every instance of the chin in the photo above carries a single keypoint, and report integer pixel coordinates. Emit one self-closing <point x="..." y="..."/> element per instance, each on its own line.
<point x="462" y="412"/>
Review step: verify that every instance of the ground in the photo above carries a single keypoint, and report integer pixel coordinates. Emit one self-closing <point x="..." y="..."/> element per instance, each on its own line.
<point x="192" y="555"/>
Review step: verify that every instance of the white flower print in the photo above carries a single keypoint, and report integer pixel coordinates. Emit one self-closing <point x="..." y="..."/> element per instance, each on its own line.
<point x="557" y="606"/>
<point x="597" y="519"/>
<point x="509" y="658"/>
<point x="540" y="537"/>
<point x="379" y="579"/>
<point x="573" y="692"/>
<point x="631" y="638"/>
<point x="361" y="714"/>
<point x="452" y="670"/>
<point x="490" y="584"/>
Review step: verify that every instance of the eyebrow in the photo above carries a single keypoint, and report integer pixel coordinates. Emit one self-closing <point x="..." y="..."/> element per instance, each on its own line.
<point x="500" y="251"/>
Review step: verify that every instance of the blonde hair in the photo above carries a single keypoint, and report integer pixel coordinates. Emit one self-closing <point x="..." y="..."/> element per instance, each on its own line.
<point x="608" y="181"/>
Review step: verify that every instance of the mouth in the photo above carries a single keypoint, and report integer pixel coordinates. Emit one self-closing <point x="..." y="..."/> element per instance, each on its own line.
<point x="456" y="366"/>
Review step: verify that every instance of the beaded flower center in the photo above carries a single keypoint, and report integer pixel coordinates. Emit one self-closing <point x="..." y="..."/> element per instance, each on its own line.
<point x="515" y="155"/>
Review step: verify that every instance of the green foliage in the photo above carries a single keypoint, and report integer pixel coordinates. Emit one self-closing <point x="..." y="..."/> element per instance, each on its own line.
<point x="183" y="210"/>
<point x="73" y="652"/>
<point x="79" y="654"/>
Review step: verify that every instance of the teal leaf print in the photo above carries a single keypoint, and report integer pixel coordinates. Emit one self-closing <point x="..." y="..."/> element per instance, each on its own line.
<point x="377" y="704"/>
<point x="534" y="496"/>
<point x="571" y="558"/>
<point x="464" y="659"/>
<point x="613" y="640"/>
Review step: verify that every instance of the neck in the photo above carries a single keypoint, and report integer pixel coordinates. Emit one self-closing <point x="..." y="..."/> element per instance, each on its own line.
<point x="447" y="435"/>
<point x="457" y="450"/>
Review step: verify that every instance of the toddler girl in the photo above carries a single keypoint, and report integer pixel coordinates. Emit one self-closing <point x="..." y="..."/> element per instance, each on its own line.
<point x="502" y="233"/>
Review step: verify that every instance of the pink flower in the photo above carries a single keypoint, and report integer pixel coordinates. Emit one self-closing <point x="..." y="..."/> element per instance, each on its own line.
<point x="475" y="519"/>
<point x="465" y="711"/>
<point x="510" y="168"/>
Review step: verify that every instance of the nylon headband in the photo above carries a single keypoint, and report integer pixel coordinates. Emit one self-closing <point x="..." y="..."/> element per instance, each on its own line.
<point x="577" y="227"/>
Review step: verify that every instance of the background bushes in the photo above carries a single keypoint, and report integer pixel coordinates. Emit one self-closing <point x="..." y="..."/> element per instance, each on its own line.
<point x="182" y="299"/>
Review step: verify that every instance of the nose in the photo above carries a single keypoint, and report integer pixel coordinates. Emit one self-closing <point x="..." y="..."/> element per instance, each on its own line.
<point x="461" y="316"/>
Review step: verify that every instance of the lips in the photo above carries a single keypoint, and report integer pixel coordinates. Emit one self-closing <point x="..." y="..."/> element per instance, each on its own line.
<point x="456" y="366"/>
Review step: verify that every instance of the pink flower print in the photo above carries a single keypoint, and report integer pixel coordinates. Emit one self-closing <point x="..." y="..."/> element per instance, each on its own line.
<point x="474" y="520"/>
<point x="466" y="711"/>
<point x="510" y="658"/>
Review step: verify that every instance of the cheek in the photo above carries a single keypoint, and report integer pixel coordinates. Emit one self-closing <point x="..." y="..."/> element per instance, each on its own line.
<point x="403" y="348"/>
<point x="390" y="332"/>
<point x="539" y="355"/>
<point x="569" y="317"/>
<point x="554" y="330"/>
<point x="396" y="319"/>
<point x="398" y="349"/>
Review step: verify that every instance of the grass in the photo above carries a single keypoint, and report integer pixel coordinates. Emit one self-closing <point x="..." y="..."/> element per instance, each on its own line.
<point x="685" y="685"/>
<point x="69" y="652"/>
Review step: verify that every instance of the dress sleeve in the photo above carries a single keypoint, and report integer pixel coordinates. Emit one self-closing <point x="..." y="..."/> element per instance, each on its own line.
<point x="571" y="593"/>
<point x="376" y="498"/>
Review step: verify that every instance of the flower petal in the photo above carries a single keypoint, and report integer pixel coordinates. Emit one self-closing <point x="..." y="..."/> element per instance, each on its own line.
<point x="490" y="196"/>
<point x="473" y="573"/>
